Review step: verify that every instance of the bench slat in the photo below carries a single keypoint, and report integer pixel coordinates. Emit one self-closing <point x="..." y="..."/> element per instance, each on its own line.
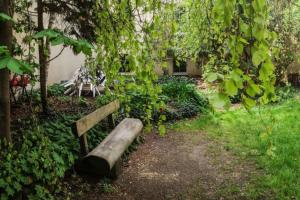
<point x="102" y="159"/>
<point x="89" y="121"/>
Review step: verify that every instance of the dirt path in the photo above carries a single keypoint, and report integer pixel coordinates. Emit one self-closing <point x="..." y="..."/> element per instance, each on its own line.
<point x="181" y="166"/>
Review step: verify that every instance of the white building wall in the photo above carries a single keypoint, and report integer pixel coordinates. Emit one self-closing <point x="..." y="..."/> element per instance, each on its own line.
<point x="64" y="66"/>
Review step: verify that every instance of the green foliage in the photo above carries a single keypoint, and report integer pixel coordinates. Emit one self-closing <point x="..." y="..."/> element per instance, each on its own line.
<point x="59" y="131"/>
<point x="284" y="20"/>
<point x="4" y="17"/>
<point x="7" y="59"/>
<point x="192" y="29"/>
<point x="42" y="157"/>
<point x="176" y="79"/>
<point x="250" y="38"/>
<point x="83" y="102"/>
<point x="234" y="37"/>
<point x="36" y="161"/>
<point x="268" y="135"/>
<point x="179" y="94"/>
<point x="40" y="193"/>
<point x="135" y="106"/>
<point x="284" y="93"/>
<point x="14" y="65"/>
<point x="56" y="90"/>
<point x="182" y="97"/>
<point x="59" y="38"/>
<point x="121" y="31"/>
<point x="104" y="99"/>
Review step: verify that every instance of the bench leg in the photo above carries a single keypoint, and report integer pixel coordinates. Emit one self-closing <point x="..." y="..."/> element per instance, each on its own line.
<point x="111" y="121"/>
<point x="116" y="170"/>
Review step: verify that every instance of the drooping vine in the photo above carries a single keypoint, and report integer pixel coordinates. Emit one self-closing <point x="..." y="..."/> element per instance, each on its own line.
<point x="131" y="30"/>
<point x="246" y="52"/>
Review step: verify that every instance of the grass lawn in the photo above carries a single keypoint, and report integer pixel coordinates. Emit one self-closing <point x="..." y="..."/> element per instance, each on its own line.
<point x="269" y="135"/>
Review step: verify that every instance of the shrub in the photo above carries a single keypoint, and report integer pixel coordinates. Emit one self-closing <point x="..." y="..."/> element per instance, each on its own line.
<point x="41" y="157"/>
<point x="60" y="132"/>
<point x="187" y="109"/>
<point x="180" y="94"/>
<point x="56" y="90"/>
<point x="184" y="99"/>
<point x="104" y="99"/>
<point x="285" y="92"/>
<point x="137" y="103"/>
<point x="177" y="79"/>
<point x="37" y="163"/>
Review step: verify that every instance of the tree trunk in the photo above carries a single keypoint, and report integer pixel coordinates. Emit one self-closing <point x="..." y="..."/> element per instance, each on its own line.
<point x="42" y="58"/>
<point x="5" y="40"/>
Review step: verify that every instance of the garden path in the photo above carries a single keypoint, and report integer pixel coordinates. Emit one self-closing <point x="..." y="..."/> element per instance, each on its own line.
<point x="181" y="166"/>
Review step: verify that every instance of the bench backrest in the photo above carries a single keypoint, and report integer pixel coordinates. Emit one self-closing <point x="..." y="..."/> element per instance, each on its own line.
<point x="81" y="127"/>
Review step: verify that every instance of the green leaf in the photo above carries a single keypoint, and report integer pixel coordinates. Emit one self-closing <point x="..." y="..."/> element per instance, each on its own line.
<point x="162" y="130"/>
<point x="163" y="117"/>
<point x="14" y="66"/>
<point x="4" y="51"/>
<point x="2" y="183"/>
<point x="5" y="17"/>
<point x="237" y="78"/>
<point x="220" y="100"/>
<point x="4" y="61"/>
<point x="230" y="88"/>
<point x="47" y="33"/>
<point x="258" y="5"/>
<point x="58" y="41"/>
<point x="253" y="89"/>
<point x="240" y="48"/>
<point x="248" y="103"/>
<point x="243" y="40"/>
<point x="211" y="77"/>
<point x="245" y="28"/>
<point x="257" y="58"/>
<point x="266" y="70"/>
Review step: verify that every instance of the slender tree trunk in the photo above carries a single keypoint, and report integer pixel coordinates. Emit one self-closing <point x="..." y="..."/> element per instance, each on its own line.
<point x="42" y="58"/>
<point x="5" y="40"/>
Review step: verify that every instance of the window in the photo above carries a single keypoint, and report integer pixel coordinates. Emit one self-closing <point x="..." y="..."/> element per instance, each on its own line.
<point x="179" y="66"/>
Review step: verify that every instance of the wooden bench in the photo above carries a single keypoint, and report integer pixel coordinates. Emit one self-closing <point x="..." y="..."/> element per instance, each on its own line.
<point x="105" y="159"/>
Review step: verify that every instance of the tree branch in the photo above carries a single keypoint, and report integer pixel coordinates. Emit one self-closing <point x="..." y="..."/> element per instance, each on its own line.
<point x="61" y="51"/>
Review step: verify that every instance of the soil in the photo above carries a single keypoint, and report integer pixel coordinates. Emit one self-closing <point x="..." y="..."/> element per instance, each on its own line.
<point x="180" y="166"/>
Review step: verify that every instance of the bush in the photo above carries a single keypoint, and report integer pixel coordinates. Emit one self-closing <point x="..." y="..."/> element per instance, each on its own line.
<point x="41" y="157"/>
<point x="183" y="97"/>
<point x="56" y="90"/>
<point x="285" y="92"/>
<point x="180" y="94"/>
<point x="60" y="132"/>
<point x="177" y="79"/>
<point x="36" y="164"/>
<point x="104" y="99"/>
<point x="137" y="103"/>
